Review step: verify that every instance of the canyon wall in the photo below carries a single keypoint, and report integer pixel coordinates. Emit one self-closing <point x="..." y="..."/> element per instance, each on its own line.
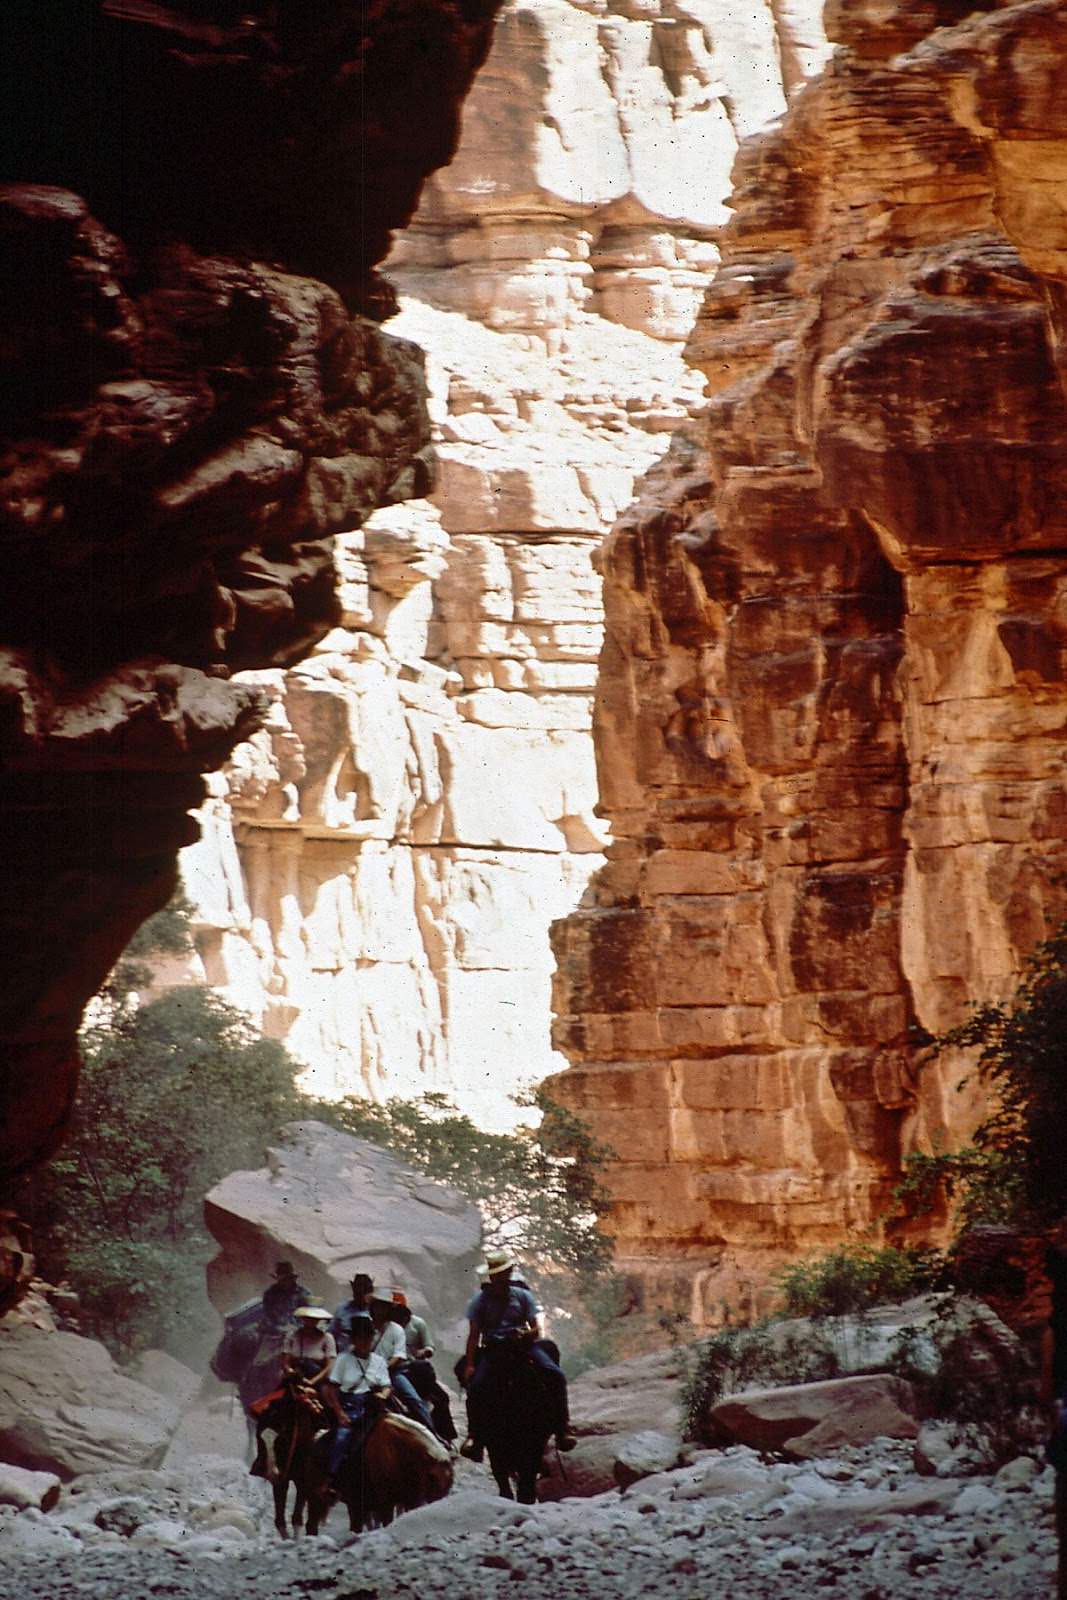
<point x="196" y="398"/>
<point x="382" y="862"/>
<point x="831" y="713"/>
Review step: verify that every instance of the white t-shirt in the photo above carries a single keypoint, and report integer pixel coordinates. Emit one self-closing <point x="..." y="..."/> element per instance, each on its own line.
<point x="356" y="1374"/>
<point x="391" y="1342"/>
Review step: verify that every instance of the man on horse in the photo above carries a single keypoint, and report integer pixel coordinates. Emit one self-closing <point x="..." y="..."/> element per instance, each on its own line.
<point x="355" y="1375"/>
<point x="388" y="1340"/>
<point x="282" y="1297"/>
<point x="499" y="1312"/>
<point x="420" y="1372"/>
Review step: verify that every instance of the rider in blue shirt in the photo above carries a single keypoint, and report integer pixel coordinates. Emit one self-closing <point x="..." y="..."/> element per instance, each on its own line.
<point x="499" y="1309"/>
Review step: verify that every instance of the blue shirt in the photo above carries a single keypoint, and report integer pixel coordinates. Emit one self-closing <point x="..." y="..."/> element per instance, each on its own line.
<point x="341" y="1323"/>
<point x="493" y="1314"/>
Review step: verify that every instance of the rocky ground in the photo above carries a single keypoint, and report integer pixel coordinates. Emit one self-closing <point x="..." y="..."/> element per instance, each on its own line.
<point x="862" y="1524"/>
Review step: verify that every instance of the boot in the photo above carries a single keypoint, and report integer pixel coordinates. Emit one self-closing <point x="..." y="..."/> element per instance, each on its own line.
<point x="472" y="1450"/>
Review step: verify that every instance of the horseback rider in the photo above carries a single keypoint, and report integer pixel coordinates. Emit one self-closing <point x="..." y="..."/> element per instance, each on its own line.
<point x="309" y="1350"/>
<point x="307" y="1354"/>
<point x="420" y="1373"/>
<point x="282" y="1297"/>
<point x="358" y="1306"/>
<point x="503" y="1310"/>
<point x="388" y="1340"/>
<point x="355" y="1374"/>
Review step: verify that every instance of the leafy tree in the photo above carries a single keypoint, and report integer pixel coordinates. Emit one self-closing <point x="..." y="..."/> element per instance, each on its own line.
<point x="538" y="1188"/>
<point x="179" y="1090"/>
<point x="175" y="1092"/>
<point x="1014" y="1170"/>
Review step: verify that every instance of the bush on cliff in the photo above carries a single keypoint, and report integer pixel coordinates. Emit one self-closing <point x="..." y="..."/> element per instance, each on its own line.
<point x="854" y="1278"/>
<point x="1014" y="1169"/>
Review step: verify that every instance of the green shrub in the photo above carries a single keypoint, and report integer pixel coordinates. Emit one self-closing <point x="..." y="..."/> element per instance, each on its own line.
<point x="853" y="1278"/>
<point x="739" y="1358"/>
<point x="180" y="1090"/>
<point x="967" y="1372"/>
<point x="1014" y="1170"/>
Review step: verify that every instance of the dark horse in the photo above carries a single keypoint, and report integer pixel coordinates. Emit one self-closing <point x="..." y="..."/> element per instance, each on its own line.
<point x="519" y="1424"/>
<point x="249" y="1354"/>
<point x="288" y="1441"/>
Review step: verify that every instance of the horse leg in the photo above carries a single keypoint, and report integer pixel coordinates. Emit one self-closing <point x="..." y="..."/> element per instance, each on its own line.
<point x="526" y="1484"/>
<point x="499" y="1468"/>
<point x="281" y="1494"/>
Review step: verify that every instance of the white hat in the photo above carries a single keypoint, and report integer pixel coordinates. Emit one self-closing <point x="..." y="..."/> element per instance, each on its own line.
<point x="312" y="1313"/>
<point x="496" y="1261"/>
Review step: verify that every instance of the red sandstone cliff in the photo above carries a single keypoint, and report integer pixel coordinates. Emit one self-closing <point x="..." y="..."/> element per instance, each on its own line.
<point x="832" y="703"/>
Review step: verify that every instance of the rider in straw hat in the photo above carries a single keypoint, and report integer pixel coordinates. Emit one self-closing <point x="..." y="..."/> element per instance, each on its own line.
<point x="500" y="1308"/>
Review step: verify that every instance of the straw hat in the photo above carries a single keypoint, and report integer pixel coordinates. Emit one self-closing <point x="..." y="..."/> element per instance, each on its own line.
<point x="496" y="1261"/>
<point x="312" y="1313"/>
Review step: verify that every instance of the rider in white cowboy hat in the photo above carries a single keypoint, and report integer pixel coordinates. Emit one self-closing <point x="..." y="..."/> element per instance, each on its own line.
<point x="310" y="1348"/>
<point x="502" y="1307"/>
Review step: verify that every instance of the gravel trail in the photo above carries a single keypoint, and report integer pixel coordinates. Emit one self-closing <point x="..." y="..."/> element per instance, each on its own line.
<point x="862" y="1525"/>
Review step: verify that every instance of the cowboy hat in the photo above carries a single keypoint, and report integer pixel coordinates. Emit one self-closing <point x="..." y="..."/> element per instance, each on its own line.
<point x="312" y="1313"/>
<point x="496" y="1261"/>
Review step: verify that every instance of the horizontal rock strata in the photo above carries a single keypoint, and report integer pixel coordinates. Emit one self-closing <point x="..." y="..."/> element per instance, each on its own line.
<point x="191" y="410"/>
<point x="378" y="877"/>
<point x="832" y="697"/>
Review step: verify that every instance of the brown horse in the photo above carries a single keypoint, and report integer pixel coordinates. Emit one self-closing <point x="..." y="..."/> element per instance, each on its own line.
<point x="404" y="1466"/>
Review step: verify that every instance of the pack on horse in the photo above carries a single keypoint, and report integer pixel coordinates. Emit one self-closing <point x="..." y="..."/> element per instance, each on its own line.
<point x="402" y="1466"/>
<point x="522" y="1418"/>
<point x="249" y="1355"/>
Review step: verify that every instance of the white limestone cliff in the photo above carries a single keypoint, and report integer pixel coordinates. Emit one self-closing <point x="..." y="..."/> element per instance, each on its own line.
<point x="381" y="865"/>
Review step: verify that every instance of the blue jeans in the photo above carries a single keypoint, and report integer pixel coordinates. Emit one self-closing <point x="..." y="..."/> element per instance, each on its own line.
<point x="412" y="1402"/>
<point x="352" y="1438"/>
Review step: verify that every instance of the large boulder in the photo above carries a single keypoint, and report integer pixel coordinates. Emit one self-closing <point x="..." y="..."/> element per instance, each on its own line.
<point x="335" y="1205"/>
<point x="610" y="1407"/>
<point x="813" y="1419"/>
<point x="158" y="1370"/>
<point x="66" y="1408"/>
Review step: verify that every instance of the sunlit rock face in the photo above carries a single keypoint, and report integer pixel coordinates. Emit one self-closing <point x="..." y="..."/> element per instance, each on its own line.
<point x="379" y="875"/>
<point x="831" y="709"/>
<point x="196" y="398"/>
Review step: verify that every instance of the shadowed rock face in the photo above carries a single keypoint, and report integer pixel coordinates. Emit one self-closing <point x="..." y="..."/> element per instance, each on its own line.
<point x="194" y="198"/>
<point x="832" y="693"/>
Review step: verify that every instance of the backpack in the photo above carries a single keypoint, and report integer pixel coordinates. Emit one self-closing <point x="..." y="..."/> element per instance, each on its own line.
<point x="239" y="1342"/>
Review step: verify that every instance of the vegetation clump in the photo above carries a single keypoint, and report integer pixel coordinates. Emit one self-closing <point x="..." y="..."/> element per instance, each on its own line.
<point x="745" y="1357"/>
<point x="179" y="1089"/>
<point x="854" y="1278"/>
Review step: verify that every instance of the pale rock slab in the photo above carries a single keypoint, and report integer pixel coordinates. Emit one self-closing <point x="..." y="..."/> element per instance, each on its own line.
<point x="814" y="1419"/>
<point x="65" y="1408"/>
<point x="335" y="1205"/>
